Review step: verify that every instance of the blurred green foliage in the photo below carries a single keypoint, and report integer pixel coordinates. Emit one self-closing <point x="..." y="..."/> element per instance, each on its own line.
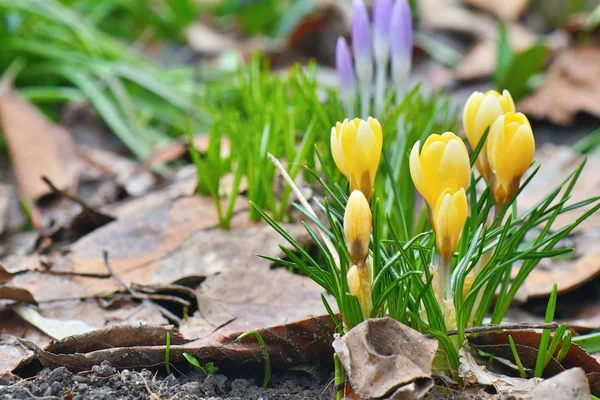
<point x="73" y="51"/>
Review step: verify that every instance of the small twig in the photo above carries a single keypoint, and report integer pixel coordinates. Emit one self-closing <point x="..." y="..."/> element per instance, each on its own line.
<point x="497" y="327"/>
<point x="224" y="324"/>
<point x="137" y="295"/>
<point x="67" y="195"/>
<point x="305" y="204"/>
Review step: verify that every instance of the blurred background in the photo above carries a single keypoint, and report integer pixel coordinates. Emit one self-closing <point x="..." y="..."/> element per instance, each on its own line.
<point x="117" y="85"/>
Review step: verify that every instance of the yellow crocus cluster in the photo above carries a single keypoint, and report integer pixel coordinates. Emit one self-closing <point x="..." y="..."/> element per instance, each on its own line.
<point x="510" y="146"/>
<point x="356" y="148"/>
<point x="441" y="172"/>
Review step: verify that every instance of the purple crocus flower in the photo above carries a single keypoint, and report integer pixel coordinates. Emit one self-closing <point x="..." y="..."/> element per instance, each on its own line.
<point x="382" y="12"/>
<point x="361" y="42"/>
<point x="401" y="41"/>
<point x="344" y="67"/>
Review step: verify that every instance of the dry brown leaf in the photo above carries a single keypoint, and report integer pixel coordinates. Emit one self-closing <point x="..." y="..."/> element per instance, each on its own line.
<point x="480" y="61"/>
<point x="55" y="328"/>
<point x="305" y="341"/>
<point x="571" y="86"/>
<point x="90" y="311"/>
<point x="527" y="343"/>
<point x="259" y="298"/>
<point x="10" y="292"/>
<point x="456" y="18"/>
<point x="474" y="374"/>
<point x="11" y="354"/>
<point x="571" y="384"/>
<point x="128" y="174"/>
<point x="385" y="359"/>
<point x="507" y="10"/>
<point x="37" y="148"/>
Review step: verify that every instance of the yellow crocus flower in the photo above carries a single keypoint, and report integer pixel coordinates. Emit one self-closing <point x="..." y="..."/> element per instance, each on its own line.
<point x="357" y="226"/>
<point x="356" y="147"/>
<point x="510" y="148"/>
<point x="449" y="218"/>
<point x="443" y="163"/>
<point x="480" y="112"/>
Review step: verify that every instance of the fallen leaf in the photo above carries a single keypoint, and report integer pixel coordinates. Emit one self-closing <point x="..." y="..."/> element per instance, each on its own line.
<point x="571" y="384"/>
<point x="508" y="10"/>
<point x="260" y="297"/>
<point x="37" y="148"/>
<point x="11" y="354"/>
<point x="571" y="86"/>
<point x="56" y="329"/>
<point x="474" y="374"/>
<point x="10" y="292"/>
<point x="527" y="343"/>
<point x="93" y="312"/>
<point x="132" y="176"/>
<point x="456" y="18"/>
<point x="304" y="341"/>
<point x="385" y="359"/>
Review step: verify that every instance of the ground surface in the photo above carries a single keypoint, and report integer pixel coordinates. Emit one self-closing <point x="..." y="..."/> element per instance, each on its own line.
<point x="105" y="383"/>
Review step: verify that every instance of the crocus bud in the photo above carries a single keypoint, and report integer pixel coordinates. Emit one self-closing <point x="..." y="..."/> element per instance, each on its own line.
<point x="510" y="148"/>
<point x="401" y="41"/>
<point x="442" y="164"/>
<point x="361" y="43"/>
<point x="481" y="110"/>
<point x="357" y="226"/>
<point x="356" y="147"/>
<point x="345" y="68"/>
<point x="382" y="12"/>
<point x="449" y="218"/>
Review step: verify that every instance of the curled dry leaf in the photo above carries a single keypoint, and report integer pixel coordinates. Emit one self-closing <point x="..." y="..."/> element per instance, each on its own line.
<point x="11" y="354"/>
<point x="527" y="343"/>
<point x="571" y="384"/>
<point x="55" y="328"/>
<point x="304" y="341"/>
<point x="385" y="359"/>
<point x="473" y="374"/>
<point x="571" y="86"/>
<point x="37" y="148"/>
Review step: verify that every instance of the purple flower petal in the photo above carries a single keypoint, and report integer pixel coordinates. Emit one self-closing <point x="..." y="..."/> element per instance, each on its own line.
<point x="361" y="43"/>
<point x="344" y="66"/>
<point x="361" y="30"/>
<point x="401" y="40"/>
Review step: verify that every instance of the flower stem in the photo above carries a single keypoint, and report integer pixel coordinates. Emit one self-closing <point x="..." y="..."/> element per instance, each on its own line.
<point x="365" y="100"/>
<point x="380" y="88"/>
